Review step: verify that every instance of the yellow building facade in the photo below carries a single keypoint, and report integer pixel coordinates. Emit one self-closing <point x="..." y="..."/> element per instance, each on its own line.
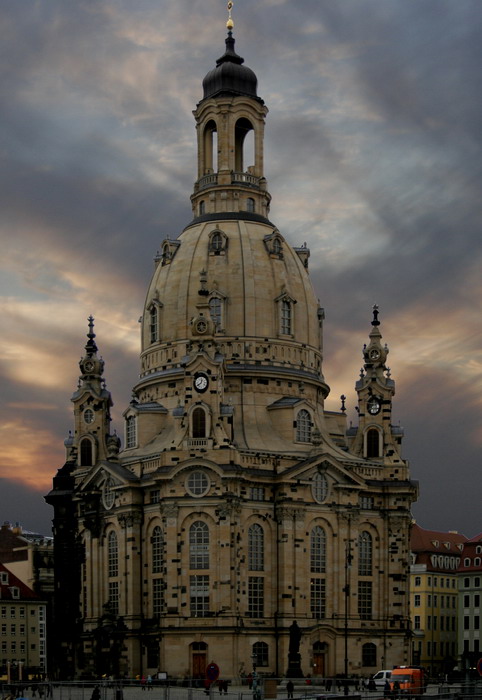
<point x="238" y="505"/>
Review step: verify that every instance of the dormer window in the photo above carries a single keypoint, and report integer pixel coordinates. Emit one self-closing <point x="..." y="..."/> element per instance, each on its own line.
<point x="303" y="426"/>
<point x="131" y="431"/>
<point x="4" y="577"/>
<point x="154" y="321"/>
<point x="218" y="242"/>
<point x="274" y="244"/>
<point x="14" y="591"/>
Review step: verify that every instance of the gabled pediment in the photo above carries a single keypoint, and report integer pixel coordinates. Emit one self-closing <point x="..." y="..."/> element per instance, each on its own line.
<point x="97" y="477"/>
<point x="329" y="466"/>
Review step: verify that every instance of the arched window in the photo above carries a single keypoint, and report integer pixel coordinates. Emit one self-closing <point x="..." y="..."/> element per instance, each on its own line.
<point x="113" y="571"/>
<point x="260" y="653"/>
<point x="199" y="546"/>
<point x="113" y="555"/>
<point x="131" y="431"/>
<point x="210" y="146"/>
<point x="216" y="312"/>
<point x="250" y="205"/>
<point x="365" y="552"/>
<point x="202" y="207"/>
<point x="242" y="128"/>
<point x="303" y="426"/>
<point x="319" y="487"/>
<point x="199" y="422"/>
<point x="373" y="443"/>
<point x="277" y="247"/>
<point x="86" y="453"/>
<point x="318" y="550"/>
<point x="285" y="317"/>
<point x="369" y="654"/>
<point x="256" y="548"/>
<point x="157" y="543"/>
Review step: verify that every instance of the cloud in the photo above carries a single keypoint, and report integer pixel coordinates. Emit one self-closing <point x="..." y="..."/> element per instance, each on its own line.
<point x="372" y="158"/>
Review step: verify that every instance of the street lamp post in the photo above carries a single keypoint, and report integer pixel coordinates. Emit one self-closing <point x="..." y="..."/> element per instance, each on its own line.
<point x="346" y="591"/>
<point x="256" y="687"/>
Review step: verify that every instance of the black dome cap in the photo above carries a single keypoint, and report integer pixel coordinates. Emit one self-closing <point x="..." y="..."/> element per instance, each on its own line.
<point x="230" y="77"/>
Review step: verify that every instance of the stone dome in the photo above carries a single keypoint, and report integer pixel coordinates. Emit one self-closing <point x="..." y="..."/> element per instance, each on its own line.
<point x="250" y="268"/>
<point x="230" y="76"/>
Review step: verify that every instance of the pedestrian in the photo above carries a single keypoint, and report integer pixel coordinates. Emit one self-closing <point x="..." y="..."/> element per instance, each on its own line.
<point x="95" y="693"/>
<point x="250" y="681"/>
<point x="386" y="689"/>
<point x="290" y="688"/>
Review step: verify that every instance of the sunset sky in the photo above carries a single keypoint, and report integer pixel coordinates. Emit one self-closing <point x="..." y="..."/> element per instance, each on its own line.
<point x="373" y="158"/>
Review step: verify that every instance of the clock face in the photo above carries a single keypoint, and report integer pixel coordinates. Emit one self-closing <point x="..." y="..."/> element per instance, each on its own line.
<point x="374" y="354"/>
<point x="374" y="406"/>
<point x="201" y="382"/>
<point x="89" y="366"/>
<point x="89" y="416"/>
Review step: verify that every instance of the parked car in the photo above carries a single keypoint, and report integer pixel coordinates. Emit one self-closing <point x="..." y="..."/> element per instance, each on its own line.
<point x="381" y="677"/>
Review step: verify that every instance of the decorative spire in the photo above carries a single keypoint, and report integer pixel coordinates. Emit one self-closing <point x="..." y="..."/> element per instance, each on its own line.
<point x="230" y="23"/>
<point x="91" y="347"/>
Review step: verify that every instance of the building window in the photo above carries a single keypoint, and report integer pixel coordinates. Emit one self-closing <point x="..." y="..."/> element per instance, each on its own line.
<point x="155" y="496"/>
<point x="318" y="550"/>
<point x="260" y="653"/>
<point x="277" y="246"/>
<point x="417" y="622"/>
<point x="318" y="598"/>
<point x="199" y="546"/>
<point x="418" y="580"/>
<point x="365" y="600"/>
<point x="250" y="205"/>
<point x="365" y="551"/>
<point x="256" y="548"/>
<point x="202" y="208"/>
<point x="131" y="432"/>
<point x="157" y="597"/>
<point x="216" y="312"/>
<point x="369" y="654"/>
<point x="319" y="487"/>
<point x="366" y="502"/>
<point x="153" y="324"/>
<point x="216" y="241"/>
<point x="373" y="443"/>
<point x="157" y="544"/>
<point x="114" y="597"/>
<point x="197" y="483"/>
<point x="257" y="493"/>
<point x="199" y="595"/>
<point x="285" y="317"/>
<point x="303" y="426"/>
<point x="199" y="422"/>
<point x="86" y="453"/>
<point x="255" y="596"/>
<point x="113" y="555"/>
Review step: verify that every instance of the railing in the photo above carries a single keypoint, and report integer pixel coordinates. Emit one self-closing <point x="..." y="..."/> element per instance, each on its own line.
<point x="211" y="179"/>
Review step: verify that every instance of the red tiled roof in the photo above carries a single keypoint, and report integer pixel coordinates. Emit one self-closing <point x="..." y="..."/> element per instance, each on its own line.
<point x="25" y="593"/>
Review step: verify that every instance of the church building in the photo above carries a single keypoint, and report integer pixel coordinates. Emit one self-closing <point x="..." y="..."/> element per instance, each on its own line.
<point x="240" y="523"/>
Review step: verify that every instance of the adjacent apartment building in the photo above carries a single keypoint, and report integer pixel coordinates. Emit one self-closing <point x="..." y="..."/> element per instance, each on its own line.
<point x="23" y="634"/>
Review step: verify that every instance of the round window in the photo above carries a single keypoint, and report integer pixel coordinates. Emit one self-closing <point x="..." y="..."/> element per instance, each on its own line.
<point x="319" y="487"/>
<point x="197" y="483"/>
<point x="88" y="416"/>
<point x="108" y="494"/>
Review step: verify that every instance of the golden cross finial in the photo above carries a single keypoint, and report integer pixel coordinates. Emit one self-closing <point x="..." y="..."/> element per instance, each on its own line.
<point x="230" y="23"/>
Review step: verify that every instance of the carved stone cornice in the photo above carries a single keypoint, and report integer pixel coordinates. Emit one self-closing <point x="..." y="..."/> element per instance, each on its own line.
<point x="129" y="519"/>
